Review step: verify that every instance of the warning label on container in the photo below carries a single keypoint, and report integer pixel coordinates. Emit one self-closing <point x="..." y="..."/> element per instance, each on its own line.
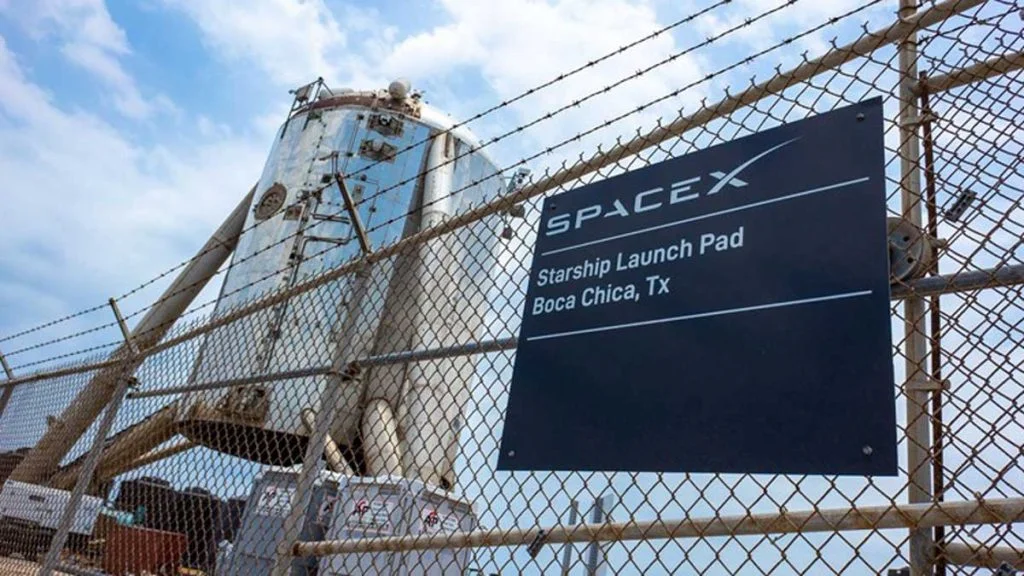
<point x="434" y="522"/>
<point x="275" y="499"/>
<point x="370" y="514"/>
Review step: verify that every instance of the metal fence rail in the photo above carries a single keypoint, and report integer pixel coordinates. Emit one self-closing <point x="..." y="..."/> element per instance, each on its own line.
<point x="340" y="408"/>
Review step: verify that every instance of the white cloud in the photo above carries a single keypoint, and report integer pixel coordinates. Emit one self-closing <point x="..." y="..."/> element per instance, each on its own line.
<point x="91" y="212"/>
<point x="517" y="45"/>
<point x="90" y="39"/>
<point x="291" y="41"/>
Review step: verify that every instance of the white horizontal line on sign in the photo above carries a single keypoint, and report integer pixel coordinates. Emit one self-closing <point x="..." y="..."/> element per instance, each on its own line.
<point x="709" y="215"/>
<point x="702" y="315"/>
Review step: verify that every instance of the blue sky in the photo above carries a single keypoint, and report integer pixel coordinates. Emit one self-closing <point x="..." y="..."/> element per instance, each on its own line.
<point x="128" y="130"/>
<point x="132" y="128"/>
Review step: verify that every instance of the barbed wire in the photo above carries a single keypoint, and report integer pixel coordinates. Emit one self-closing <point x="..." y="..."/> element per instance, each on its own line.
<point x="479" y="115"/>
<point x="273" y="295"/>
<point x="491" y="142"/>
<point x="644" y="106"/>
<point x="650" y="103"/>
<point x="53" y="322"/>
<point x="785" y="42"/>
<point x="548" y="150"/>
<point x="47" y="343"/>
<point x="80" y="352"/>
<point x="548" y="116"/>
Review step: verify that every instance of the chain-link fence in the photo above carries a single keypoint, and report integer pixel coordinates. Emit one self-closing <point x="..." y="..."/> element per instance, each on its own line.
<point x="338" y="407"/>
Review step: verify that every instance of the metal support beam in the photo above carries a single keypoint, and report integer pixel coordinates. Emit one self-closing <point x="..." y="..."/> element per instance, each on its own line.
<point x="150" y="457"/>
<point x="914" y="516"/>
<point x="53" y="555"/>
<point x="128" y="446"/>
<point x="47" y="454"/>
<point x="7" y="367"/>
<point x="129" y="340"/>
<point x="595" y="556"/>
<point x="377" y="360"/>
<point x="347" y="351"/>
<point x="1003" y="64"/>
<point x="335" y="460"/>
<point x="981" y="556"/>
<point x="915" y="343"/>
<point x="106" y="471"/>
<point x="567" y="548"/>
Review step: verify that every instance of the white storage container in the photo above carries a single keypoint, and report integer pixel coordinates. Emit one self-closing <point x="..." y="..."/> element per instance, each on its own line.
<point x="367" y="507"/>
<point x="375" y="507"/>
<point x="44" y="506"/>
<point x="434" y="511"/>
<point x="262" y="526"/>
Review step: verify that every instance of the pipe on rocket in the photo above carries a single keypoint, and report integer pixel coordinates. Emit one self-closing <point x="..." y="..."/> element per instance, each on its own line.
<point x="381" y="446"/>
<point x="335" y="460"/>
<point x="435" y="391"/>
<point x="67" y="429"/>
<point x="382" y="401"/>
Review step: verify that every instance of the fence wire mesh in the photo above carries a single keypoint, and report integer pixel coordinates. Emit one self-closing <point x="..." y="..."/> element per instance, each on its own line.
<point x="337" y="406"/>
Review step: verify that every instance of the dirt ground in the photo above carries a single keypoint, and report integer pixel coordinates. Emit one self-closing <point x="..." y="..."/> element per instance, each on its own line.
<point x="12" y="567"/>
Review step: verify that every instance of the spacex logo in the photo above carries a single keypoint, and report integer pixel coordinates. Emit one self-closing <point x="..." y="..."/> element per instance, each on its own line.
<point x="654" y="198"/>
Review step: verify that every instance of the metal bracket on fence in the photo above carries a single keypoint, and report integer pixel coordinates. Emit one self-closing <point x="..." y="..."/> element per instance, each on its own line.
<point x="6" y="366"/>
<point x="5" y="396"/>
<point x="928" y="385"/>
<point x="925" y="118"/>
<point x="533" y="548"/>
<point x="125" y="332"/>
<point x="963" y="201"/>
<point x="353" y="371"/>
<point x="1005" y="570"/>
<point x="123" y="383"/>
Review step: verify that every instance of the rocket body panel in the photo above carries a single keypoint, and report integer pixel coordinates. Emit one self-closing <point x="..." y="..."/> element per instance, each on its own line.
<point x="299" y="227"/>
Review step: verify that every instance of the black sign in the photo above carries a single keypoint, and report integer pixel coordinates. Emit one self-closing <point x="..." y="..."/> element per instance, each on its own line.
<point x="725" y="311"/>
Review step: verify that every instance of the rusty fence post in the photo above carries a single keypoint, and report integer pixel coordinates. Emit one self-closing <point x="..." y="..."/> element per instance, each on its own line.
<point x="915" y="344"/>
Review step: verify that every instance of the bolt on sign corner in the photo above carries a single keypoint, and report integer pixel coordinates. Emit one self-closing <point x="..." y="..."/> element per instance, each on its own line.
<point x="724" y="311"/>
